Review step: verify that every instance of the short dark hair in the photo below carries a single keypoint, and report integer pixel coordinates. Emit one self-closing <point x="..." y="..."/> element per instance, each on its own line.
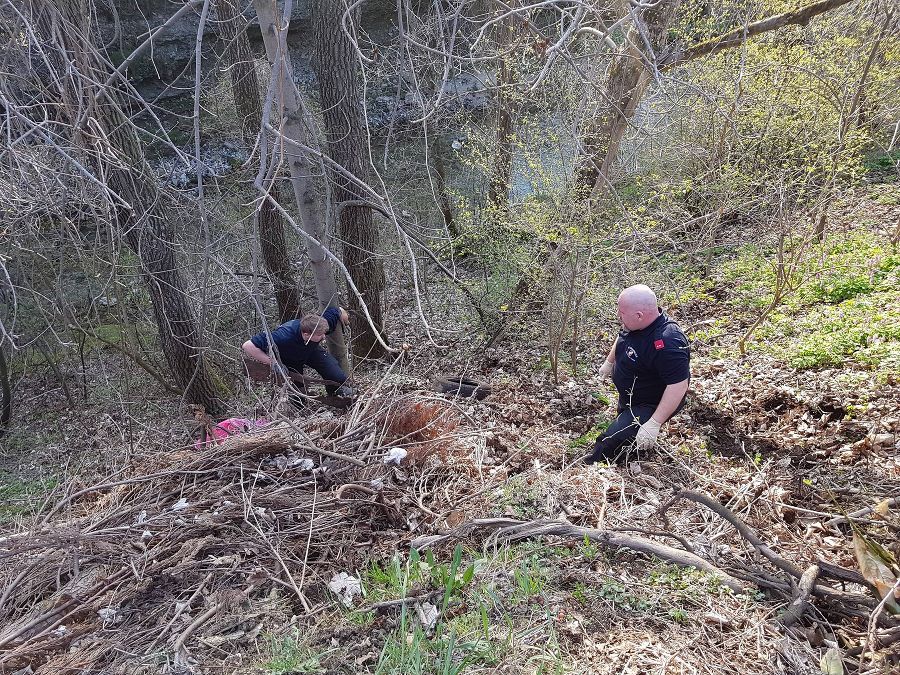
<point x="312" y="324"/>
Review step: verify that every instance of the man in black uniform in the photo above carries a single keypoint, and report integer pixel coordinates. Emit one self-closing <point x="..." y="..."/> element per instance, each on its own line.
<point x="650" y="366"/>
<point x="298" y="343"/>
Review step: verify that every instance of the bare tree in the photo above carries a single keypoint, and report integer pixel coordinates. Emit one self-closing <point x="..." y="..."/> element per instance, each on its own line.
<point x="646" y="52"/>
<point x="507" y="103"/>
<point x="438" y="167"/>
<point x="5" y="393"/>
<point x="625" y="86"/>
<point x="295" y="139"/>
<point x="239" y="61"/>
<point x="91" y="113"/>
<point x="337" y="71"/>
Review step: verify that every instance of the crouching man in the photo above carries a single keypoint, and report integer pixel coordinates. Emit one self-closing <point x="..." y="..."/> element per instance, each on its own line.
<point x="650" y="367"/>
<point x="298" y="343"/>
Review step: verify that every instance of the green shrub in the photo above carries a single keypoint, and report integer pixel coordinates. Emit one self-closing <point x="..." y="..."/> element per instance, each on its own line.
<point x="826" y="349"/>
<point x="840" y="289"/>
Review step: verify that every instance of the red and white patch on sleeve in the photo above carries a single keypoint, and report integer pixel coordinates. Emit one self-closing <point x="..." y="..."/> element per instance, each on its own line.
<point x="659" y="344"/>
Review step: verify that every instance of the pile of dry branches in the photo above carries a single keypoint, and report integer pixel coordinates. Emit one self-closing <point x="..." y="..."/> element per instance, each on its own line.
<point x="183" y="556"/>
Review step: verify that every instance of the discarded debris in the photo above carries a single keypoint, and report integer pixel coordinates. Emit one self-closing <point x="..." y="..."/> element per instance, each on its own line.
<point x="346" y="587"/>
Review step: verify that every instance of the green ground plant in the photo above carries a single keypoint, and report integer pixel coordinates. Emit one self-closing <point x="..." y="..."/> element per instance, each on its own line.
<point x="289" y="654"/>
<point x="21" y="497"/>
<point x="843" y="311"/>
<point x="452" y="644"/>
<point x="587" y="439"/>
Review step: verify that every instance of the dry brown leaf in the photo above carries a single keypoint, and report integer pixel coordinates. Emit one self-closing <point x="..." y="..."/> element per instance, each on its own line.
<point x="875" y="571"/>
<point x="883" y="507"/>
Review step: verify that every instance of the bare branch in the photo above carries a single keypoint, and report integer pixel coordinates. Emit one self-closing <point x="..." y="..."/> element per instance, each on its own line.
<point x="739" y="36"/>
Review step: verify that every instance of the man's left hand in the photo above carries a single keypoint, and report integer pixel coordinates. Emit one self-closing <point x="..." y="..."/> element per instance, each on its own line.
<point x="345" y="317"/>
<point x="647" y="435"/>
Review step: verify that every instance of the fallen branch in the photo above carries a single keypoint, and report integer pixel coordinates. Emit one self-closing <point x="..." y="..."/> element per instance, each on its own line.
<point x="748" y="534"/>
<point x="850" y="603"/>
<point x="339" y="493"/>
<point x="180" y="608"/>
<point x="409" y="600"/>
<point x="880" y="641"/>
<point x="515" y="530"/>
<point x="861" y="513"/>
<point x="798" y="607"/>
<point x="841" y="574"/>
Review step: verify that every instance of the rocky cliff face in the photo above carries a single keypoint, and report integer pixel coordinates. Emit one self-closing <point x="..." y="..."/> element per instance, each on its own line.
<point x="167" y="69"/>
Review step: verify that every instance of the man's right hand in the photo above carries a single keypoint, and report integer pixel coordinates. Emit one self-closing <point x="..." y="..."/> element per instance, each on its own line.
<point x="647" y="434"/>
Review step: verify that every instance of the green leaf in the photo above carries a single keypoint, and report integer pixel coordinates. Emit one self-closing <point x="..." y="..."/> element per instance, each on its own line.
<point x="831" y="663"/>
<point x="468" y="574"/>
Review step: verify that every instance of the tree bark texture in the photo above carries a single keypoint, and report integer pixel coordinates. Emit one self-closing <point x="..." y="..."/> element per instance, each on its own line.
<point x="337" y="71"/>
<point x="5" y="394"/>
<point x="239" y="60"/>
<point x="141" y="215"/>
<point x="439" y="169"/>
<point x="297" y="128"/>
<point x="501" y="170"/>
<point x="625" y="87"/>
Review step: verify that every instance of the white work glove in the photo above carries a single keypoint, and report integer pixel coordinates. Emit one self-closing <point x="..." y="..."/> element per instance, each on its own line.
<point x="647" y="434"/>
<point x="606" y="370"/>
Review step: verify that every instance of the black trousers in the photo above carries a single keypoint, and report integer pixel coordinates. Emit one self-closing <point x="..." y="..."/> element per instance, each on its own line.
<point x="613" y="442"/>
<point x="318" y="359"/>
<point x="620" y="433"/>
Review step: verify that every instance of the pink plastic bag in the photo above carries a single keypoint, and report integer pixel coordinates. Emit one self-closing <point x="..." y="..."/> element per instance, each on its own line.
<point x="230" y="427"/>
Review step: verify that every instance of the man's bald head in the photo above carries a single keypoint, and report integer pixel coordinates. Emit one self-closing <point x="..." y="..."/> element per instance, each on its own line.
<point x="637" y="307"/>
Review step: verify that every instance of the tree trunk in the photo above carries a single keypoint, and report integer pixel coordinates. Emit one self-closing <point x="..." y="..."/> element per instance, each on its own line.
<point x="336" y="66"/>
<point x="179" y="332"/>
<point x="238" y="59"/>
<point x="439" y="168"/>
<point x="625" y="87"/>
<point x="6" y="391"/>
<point x="628" y="78"/>
<point x="141" y="215"/>
<point x="501" y="170"/>
<point x="297" y="126"/>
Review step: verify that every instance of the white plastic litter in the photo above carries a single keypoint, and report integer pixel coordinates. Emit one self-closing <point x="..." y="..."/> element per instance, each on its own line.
<point x="428" y="614"/>
<point x="395" y="456"/>
<point x="291" y="461"/>
<point x="109" y="615"/>
<point x="346" y="587"/>
<point x="180" y="505"/>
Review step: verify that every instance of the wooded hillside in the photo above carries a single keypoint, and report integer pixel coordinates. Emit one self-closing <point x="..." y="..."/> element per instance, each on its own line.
<point x="474" y="183"/>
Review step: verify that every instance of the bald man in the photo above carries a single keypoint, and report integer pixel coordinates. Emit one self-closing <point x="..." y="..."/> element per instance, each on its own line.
<point x="650" y="366"/>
